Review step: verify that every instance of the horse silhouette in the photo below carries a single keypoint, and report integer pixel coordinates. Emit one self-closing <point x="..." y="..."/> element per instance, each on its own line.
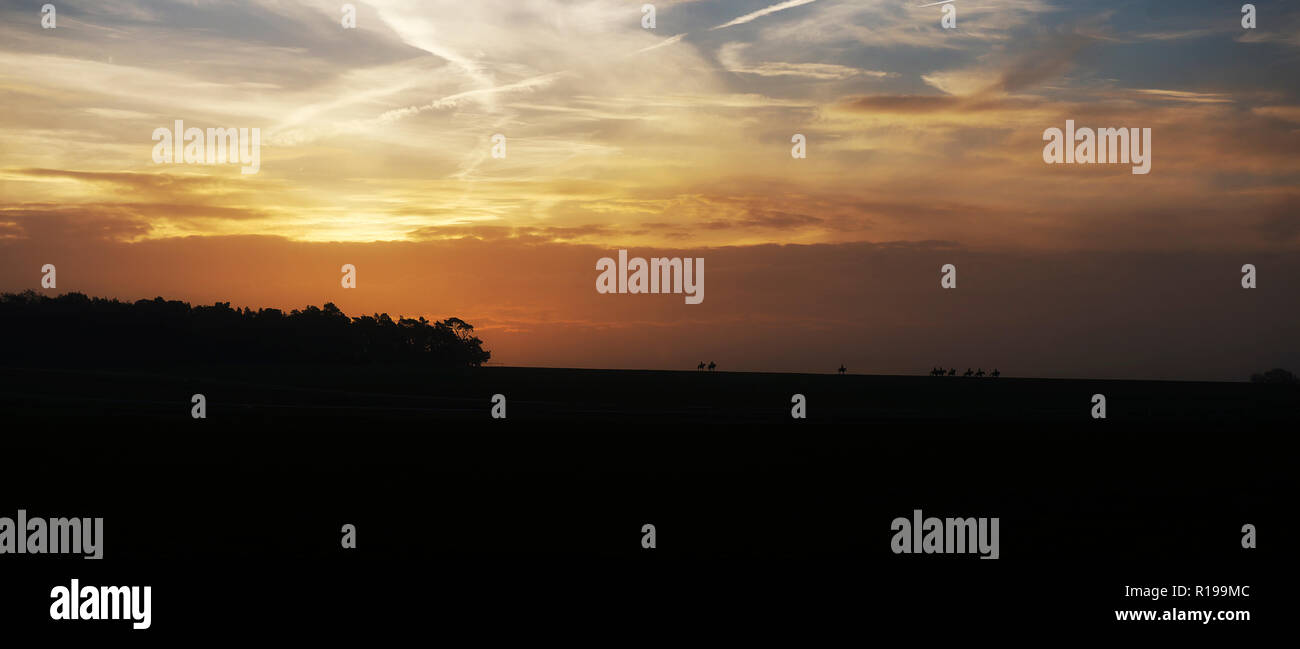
<point x="980" y="373"/>
<point x="969" y="372"/>
<point x="700" y="366"/>
<point x="712" y="365"/>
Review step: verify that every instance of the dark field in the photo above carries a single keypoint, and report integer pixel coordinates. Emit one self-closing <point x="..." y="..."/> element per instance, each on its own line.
<point x="1155" y="493"/>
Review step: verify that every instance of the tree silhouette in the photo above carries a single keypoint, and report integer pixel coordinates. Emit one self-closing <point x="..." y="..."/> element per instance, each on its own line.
<point x="73" y="329"/>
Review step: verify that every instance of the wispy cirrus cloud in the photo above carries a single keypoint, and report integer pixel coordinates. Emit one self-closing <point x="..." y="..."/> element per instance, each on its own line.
<point x="664" y="43"/>
<point x="754" y="15"/>
<point x="1186" y="95"/>
<point x="731" y="56"/>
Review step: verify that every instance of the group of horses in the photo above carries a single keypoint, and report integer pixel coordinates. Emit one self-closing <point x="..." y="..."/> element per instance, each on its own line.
<point x="934" y="371"/>
<point x="939" y="371"/>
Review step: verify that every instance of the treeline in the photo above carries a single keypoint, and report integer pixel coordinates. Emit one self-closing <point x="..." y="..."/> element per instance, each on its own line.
<point x="74" y="329"/>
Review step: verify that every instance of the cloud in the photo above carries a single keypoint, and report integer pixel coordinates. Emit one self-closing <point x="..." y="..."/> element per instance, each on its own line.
<point x="1053" y="56"/>
<point x="664" y="43"/>
<point x="454" y="100"/>
<point x="1175" y="35"/>
<point x="920" y="104"/>
<point x="154" y="183"/>
<point x="986" y="88"/>
<point x="1288" y="113"/>
<point x="731" y="57"/>
<point x="766" y="219"/>
<point x="782" y="6"/>
<point x="1186" y="95"/>
<point x="521" y="234"/>
<point x="824" y="71"/>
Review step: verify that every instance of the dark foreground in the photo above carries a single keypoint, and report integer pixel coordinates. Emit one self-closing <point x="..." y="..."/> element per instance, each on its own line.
<point x="466" y="520"/>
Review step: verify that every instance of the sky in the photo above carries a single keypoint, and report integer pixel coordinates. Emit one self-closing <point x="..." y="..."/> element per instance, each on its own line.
<point x="924" y="147"/>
